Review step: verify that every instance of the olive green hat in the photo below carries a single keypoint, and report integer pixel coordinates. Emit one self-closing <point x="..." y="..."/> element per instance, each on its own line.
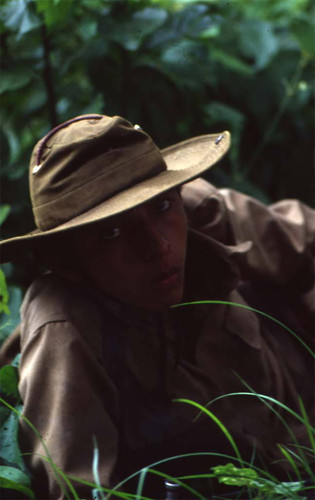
<point x="95" y="166"/>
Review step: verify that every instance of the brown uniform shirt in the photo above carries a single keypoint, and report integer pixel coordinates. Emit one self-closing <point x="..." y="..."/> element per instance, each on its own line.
<point x="91" y="366"/>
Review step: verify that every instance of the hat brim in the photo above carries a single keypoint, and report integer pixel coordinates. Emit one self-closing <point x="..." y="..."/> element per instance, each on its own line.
<point x="185" y="161"/>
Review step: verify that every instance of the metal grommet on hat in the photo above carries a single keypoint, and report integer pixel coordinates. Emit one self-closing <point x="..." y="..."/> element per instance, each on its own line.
<point x="219" y="139"/>
<point x="36" y="169"/>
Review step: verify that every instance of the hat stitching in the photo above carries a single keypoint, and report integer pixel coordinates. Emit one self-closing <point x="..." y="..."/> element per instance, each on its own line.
<point x="73" y="145"/>
<point x="61" y="142"/>
<point x="37" y="232"/>
<point x="52" y="132"/>
<point x="96" y="206"/>
<point x="100" y="176"/>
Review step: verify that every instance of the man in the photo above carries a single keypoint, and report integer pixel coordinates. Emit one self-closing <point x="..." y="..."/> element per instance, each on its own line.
<point x="104" y="353"/>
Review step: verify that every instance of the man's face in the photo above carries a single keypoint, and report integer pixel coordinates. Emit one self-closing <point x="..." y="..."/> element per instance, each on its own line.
<point x="138" y="257"/>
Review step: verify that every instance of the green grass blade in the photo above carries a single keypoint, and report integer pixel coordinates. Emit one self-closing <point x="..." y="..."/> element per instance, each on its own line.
<point x="260" y="396"/>
<point x="57" y="471"/>
<point x="243" y="306"/>
<point x="264" y="474"/>
<point x="178" y="481"/>
<point x="63" y="476"/>
<point x="309" y="428"/>
<point x="302" y="457"/>
<point x="109" y="491"/>
<point x="141" y="481"/>
<point x="304" y="420"/>
<point x="165" y="460"/>
<point x="290" y="460"/>
<point x="217" y="421"/>
<point x="196" y="476"/>
<point x="95" y="468"/>
<point x="265" y="400"/>
<point x="305" y="464"/>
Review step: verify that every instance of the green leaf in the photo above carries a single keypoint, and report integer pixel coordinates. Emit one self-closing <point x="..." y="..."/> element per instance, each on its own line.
<point x="4" y="414"/>
<point x="235" y="476"/>
<point x="10" y="450"/>
<point x="130" y="33"/>
<point x="4" y="212"/>
<point x="12" y="478"/>
<point x="17" y="16"/>
<point x="220" y="112"/>
<point x="95" y="106"/>
<point x="212" y="32"/>
<point x="258" y="42"/>
<point x="14" y="79"/>
<point x="4" y="308"/>
<point x="179" y="53"/>
<point x="54" y="12"/>
<point x="304" y="32"/>
<point x="231" y="475"/>
<point x="194" y="20"/>
<point x="4" y="294"/>
<point x="88" y="29"/>
<point x="187" y="2"/>
<point x="285" y="487"/>
<point x="14" y="475"/>
<point x="15" y="300"/>
<point x="9" y="381"/>
<point x="13" y="140"/>
<point x="231" y="62"/>
<point x="185" y="63"/>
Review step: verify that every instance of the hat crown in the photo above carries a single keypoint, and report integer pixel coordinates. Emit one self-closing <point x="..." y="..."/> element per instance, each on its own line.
<point x="86" y="161"/>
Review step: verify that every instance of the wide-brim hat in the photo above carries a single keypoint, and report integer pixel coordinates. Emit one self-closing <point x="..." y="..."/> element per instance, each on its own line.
<point x="94" y="167"/>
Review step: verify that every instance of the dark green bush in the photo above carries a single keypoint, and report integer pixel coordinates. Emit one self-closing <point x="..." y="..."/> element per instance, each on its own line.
<point x="178" y="68"/>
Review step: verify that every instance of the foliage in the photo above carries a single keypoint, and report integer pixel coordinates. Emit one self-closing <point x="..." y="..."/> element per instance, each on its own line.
<point x="13" y="474"/>
<point x="14" y="479"/>
<point x="178" y="68"/>
<point x="239" y="474"/>
<point x="246" y="477"/>
<point x="10" y="301"/>
<point x="234" y="476"/>
<point x="4" y="295"/>
<point x="256" y="483"/>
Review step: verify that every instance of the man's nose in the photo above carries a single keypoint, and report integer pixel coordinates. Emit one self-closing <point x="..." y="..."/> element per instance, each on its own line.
<point x="154" y="243"/>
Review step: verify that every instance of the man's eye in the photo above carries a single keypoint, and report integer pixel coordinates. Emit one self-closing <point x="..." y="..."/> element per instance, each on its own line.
<point x="163" y="205"/>
<point x="111" y="233"/>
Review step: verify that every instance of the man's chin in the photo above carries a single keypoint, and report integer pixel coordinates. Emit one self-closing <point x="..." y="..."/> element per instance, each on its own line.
<point x="167" y="301"/>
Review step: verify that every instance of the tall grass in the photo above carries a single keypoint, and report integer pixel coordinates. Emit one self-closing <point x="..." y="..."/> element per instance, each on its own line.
<point x="249" y="308"/>
<point x="248" y="479"/>
<point x="251" y="480"/>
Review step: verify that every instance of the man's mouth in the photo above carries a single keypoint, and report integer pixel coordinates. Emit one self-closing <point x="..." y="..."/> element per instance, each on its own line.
<point x="168" y="278"/>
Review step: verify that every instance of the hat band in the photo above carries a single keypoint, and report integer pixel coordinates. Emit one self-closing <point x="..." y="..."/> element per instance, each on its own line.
<point x="63" y="207"/>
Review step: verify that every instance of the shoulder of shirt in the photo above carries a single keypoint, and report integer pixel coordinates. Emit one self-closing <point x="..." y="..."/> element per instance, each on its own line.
<point x="52" y="299"/>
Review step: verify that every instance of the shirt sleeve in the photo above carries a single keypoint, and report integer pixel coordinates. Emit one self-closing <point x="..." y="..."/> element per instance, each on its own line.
<point x="68" y="397"/>
<point x="281" y="235"/>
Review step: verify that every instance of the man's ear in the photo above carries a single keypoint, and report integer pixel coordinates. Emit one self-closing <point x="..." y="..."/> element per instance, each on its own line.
<point x="60" y="258"/>
<point x="64" y="269"/>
